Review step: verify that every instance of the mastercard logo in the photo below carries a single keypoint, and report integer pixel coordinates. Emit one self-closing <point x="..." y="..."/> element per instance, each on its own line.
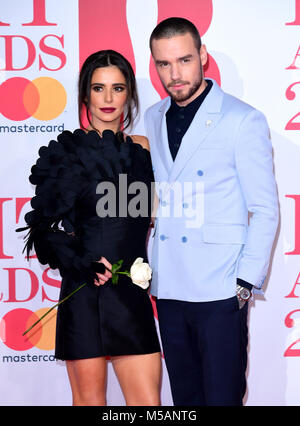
<point x="43" y="98"/>
<point x="15" y="322"/>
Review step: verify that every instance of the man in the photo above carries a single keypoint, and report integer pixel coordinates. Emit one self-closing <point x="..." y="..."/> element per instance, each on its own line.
<point x="207" y="259"/>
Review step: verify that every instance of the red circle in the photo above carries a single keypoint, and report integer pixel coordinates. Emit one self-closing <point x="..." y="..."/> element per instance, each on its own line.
<point x="14" y="323"/>
<point x="12" y="93"/>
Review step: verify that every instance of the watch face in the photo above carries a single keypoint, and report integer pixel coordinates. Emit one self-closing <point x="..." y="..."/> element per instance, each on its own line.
<point x="245" y="294"/>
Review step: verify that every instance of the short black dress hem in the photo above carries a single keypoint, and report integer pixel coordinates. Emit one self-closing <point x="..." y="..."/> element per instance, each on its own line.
<point x="74" y="358"/>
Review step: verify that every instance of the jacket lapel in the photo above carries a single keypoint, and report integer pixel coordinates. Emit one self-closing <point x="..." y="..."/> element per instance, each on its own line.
<point x="162" y="136"/>
<point x="205" y="120"/>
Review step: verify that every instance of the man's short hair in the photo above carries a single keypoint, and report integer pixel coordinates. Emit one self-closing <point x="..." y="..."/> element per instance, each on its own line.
<point x="175" y="26"/>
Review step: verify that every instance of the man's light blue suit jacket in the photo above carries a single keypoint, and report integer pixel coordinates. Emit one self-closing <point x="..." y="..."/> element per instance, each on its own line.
<point x="222" y="174"/>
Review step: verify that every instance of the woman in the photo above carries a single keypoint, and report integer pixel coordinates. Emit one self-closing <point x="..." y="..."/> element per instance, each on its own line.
<point x="70" y="230"/>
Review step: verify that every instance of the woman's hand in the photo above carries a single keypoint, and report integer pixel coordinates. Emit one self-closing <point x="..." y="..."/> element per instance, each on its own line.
<point x="107" y="275"/>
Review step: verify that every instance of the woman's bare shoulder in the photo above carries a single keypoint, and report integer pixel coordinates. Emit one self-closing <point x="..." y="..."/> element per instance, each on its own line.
<point x="142" y="140"/>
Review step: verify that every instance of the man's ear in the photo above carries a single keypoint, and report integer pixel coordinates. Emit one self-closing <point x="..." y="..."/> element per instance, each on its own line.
<point x="203" y="54"/>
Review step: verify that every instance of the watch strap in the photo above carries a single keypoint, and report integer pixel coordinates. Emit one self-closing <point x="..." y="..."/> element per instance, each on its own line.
<point x="245" y="284"/>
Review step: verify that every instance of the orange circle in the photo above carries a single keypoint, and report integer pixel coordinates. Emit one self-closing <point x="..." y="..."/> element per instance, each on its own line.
<point x="52" y="99"/>
<point x="45" y="330"/>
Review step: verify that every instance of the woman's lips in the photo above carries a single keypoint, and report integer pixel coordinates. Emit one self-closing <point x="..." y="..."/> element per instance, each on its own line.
<point x="107" y="110"/>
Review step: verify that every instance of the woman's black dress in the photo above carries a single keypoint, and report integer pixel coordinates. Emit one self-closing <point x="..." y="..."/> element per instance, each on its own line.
<point x="67" y="233"/>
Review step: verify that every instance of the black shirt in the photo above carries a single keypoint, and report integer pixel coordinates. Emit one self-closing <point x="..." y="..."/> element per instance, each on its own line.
<point x="179" y="119"/>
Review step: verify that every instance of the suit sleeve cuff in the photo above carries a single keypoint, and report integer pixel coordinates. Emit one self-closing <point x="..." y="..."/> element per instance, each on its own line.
<point x="245" y="284"/>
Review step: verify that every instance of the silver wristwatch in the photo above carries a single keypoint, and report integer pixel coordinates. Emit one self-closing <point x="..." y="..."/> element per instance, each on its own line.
<point x="243" y="295"/>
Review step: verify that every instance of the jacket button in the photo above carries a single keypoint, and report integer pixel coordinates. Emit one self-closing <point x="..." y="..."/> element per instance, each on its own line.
<point x="184" y="239"/>
<point x="200" y="173"/>
<point x="162" y="237"/>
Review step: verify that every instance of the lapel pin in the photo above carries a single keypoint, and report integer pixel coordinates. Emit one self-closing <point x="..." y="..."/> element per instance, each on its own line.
<point x="208" y="123"/>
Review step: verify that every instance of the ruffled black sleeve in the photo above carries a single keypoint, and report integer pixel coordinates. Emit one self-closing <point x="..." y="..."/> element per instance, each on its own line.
<point x="59" y="175"/>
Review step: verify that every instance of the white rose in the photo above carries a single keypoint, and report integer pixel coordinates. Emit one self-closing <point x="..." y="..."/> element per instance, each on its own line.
<point x="140" y="273"/>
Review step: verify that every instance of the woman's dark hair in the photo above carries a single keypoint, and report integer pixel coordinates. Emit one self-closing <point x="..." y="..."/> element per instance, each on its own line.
<point x="106" y="58"/>
<point x="171" y="27"/>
